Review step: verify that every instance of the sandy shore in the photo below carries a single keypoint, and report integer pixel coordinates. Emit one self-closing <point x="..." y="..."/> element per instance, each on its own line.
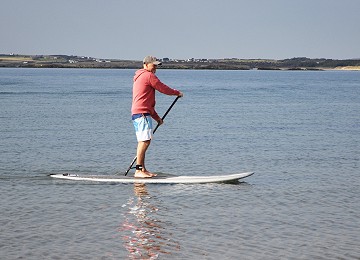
<point x="348" y="68"/>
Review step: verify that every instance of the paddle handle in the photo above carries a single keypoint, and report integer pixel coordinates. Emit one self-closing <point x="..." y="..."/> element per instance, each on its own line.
<point x="167" y="112"/>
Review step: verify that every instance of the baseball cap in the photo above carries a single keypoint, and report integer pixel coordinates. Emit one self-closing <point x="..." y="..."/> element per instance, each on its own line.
<point x="151" y="59"/>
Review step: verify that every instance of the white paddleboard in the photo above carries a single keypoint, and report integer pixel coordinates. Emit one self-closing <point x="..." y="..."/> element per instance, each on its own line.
<point x="161" y="178"/>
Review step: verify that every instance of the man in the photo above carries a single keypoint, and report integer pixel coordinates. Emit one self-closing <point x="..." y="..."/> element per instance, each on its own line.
<point x="143" y="109"/>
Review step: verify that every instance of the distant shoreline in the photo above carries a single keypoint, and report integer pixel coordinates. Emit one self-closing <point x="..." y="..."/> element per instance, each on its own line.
<point x="66" y="61"/>
<point x="348" y="68"/>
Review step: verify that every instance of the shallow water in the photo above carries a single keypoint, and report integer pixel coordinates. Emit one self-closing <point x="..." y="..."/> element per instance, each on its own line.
<point x="299" y="132"/>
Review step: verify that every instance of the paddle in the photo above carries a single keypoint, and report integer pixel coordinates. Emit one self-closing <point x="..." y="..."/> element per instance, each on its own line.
<point x="173" y="103"/>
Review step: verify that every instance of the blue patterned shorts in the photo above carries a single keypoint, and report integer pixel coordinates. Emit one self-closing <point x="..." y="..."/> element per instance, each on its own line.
<point x="143" y="126"/>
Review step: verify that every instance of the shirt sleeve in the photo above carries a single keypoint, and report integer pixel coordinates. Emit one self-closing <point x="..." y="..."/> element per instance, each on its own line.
<point x="161" y="87"/>
<point x="155" y="115"/>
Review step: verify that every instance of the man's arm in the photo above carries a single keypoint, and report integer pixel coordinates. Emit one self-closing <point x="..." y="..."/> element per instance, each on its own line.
<point x="161" y="87"/>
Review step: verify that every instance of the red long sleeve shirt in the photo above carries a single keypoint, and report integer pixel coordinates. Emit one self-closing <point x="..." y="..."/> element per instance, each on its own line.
<point x="145" y="84"/>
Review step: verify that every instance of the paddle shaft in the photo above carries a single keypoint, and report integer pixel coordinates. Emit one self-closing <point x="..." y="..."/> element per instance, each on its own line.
<point x="167" y="112"/>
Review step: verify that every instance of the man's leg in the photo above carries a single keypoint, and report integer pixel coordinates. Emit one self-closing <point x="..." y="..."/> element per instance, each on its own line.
<point x="141" y="151"/>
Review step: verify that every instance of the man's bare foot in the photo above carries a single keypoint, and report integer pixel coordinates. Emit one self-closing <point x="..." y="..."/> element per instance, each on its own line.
<point x="153" y="174"/>
<point x="144" y="174"/>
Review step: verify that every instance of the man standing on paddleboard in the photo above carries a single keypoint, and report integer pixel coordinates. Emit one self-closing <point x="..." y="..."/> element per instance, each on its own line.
<point x="143" y="109"/>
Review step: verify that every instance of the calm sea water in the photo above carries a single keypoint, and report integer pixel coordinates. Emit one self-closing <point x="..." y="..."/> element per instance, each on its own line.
<point x="299" y="132"/>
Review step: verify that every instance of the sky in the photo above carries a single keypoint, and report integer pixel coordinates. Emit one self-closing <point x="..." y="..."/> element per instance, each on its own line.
<point x="213" y="29"/>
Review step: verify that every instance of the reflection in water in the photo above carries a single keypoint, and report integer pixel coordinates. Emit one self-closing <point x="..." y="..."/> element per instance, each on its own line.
<point x="144" y="234"/>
